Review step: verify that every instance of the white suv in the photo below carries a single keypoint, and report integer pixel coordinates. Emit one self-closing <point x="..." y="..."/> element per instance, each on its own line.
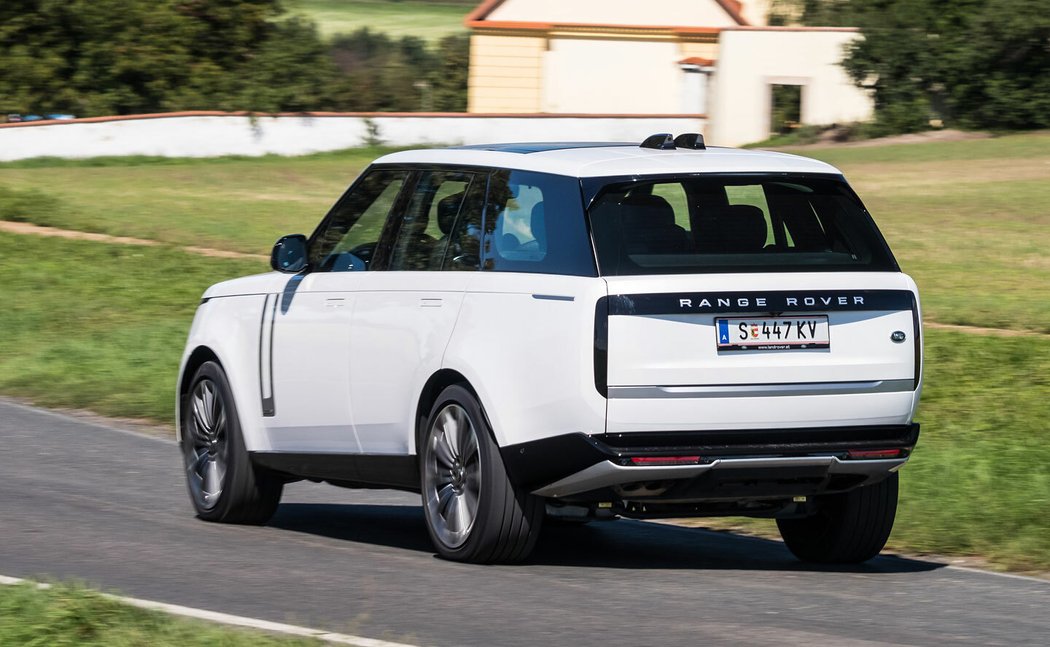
<point x="583" y="331"/>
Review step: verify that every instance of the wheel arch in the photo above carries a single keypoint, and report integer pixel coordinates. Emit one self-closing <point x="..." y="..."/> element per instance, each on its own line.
<point x="437" y="383"/>
<point x="197" y="358"/>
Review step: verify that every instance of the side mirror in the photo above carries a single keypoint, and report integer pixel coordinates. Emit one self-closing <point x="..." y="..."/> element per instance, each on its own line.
<point x="289" y="254"/>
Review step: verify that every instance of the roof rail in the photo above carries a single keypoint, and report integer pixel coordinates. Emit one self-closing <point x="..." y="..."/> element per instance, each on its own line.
<point x="694" y="141"/>
<point x="660" y="141"/>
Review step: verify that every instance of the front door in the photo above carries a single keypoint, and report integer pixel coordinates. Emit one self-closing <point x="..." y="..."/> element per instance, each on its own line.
<point x="309" y="409"/>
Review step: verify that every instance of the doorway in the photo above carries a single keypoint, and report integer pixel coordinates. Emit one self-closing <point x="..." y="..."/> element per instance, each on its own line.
<point x="785" y="108"/>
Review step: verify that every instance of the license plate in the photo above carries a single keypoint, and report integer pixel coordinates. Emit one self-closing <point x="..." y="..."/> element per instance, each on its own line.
<point x="780" y="333"/>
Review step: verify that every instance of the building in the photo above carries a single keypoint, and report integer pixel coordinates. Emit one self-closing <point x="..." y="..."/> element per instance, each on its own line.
<point x="714" y="58"/>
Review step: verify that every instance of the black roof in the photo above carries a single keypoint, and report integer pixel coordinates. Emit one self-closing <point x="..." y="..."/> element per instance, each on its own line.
<point x="540" y="147"/>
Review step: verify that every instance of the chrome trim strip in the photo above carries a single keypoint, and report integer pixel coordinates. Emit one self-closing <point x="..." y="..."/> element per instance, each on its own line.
<point x="266" y="323"/>
<point x="553" y="297"/>
<point x="607" y="473"/>
<point x="759" y="390"/>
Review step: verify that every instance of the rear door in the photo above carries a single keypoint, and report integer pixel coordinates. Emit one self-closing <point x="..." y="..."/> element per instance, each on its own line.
<point x="403" y="317"/>
<point x="752" y="302"/>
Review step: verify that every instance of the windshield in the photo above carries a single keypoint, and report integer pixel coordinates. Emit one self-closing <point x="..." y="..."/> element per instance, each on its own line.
<point x="733" y="223"/>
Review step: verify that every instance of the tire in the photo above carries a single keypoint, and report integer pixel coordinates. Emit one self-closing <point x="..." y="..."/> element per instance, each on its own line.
<point x="848" y="528"/>
<point x="473" y="512"/>
<point x="223" y="484"/>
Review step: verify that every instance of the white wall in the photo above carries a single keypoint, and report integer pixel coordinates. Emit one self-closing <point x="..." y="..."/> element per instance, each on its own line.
<point x="685" y="13"/>
<point x="214" y="135"/>
<point x="750" y="60"/>
<point x="612" y="76"/>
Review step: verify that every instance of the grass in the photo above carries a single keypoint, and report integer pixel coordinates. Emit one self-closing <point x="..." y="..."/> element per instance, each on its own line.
<point x="967" y="219"/>
<point x="979" y="480"/>
<point x="427" y="19"/>
<point x="72" y="615"/>
<point x="100" y="326"/>
<point x="241" y="204"/>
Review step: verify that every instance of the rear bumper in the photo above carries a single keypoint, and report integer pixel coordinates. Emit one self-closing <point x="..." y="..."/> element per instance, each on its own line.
<point x="728" y="465"/>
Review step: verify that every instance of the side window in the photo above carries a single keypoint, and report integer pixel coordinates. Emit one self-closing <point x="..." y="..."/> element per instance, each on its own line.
<point x="424" y="234"/>
<point x="535" y="223"/>
<point x="464" y="210"/>
<point x="348" y="237"/>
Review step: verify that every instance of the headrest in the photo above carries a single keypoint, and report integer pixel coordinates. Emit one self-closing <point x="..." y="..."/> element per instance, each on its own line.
<point x="538" y="223"/>
<point x="648" y="210"/>
<point x="741" y="228"/>
<point x="448" y="209"/>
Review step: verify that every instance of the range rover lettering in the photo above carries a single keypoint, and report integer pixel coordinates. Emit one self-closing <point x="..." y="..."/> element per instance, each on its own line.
<point x="580" y="331"/>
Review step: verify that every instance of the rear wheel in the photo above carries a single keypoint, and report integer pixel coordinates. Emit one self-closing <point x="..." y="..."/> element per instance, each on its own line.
<point x="223" y="483"/>
<point x="473" y="512"/>
<point x="848" y="528"/>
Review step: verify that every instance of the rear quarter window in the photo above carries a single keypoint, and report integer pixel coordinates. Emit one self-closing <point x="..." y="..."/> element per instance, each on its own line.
<point x="534" y="222"/>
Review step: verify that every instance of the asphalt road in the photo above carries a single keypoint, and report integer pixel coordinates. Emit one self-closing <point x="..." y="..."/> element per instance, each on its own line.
<point x="108" y="507"/>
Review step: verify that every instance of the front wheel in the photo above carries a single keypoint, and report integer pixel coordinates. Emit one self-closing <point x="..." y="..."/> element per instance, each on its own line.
<point x="473" y="512"/>
<point x="848" y="528"/>
<point x="223" y="483"/>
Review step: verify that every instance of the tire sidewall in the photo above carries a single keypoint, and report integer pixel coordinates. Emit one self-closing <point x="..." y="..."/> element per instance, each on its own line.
<point x="235" y="450"/>
<point x="488" y="454"/>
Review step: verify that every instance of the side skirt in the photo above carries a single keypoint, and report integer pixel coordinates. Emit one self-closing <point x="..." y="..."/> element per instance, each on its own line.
<point x="348" y="470"/>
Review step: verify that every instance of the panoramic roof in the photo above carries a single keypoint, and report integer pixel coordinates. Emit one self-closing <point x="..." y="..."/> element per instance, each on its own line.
<point x="607" y="159"/>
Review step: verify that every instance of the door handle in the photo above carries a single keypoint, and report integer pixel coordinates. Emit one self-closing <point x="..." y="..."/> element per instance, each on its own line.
<point x="430" y="302"/>
<point x="337" y="302"/>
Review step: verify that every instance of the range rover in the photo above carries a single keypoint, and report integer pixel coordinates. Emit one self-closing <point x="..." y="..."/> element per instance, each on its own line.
<point x="571" y="331"/>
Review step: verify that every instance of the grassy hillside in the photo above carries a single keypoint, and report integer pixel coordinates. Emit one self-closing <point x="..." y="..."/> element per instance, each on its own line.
<point x="427" y="19"/>
<point x="967" y="219"/>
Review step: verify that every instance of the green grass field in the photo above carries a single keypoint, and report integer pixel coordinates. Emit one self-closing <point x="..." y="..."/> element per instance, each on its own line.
<point x="100" y="326"/>
<point x="240" y="204"/>
<point x="71" y="615"/>
<point x="967" y="219"/>
<point x="428" y="19"/>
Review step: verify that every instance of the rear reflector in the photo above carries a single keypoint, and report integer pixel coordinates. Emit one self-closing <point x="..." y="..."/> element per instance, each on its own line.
<point x="665" y="460"/>
<point x="862" y="454"/>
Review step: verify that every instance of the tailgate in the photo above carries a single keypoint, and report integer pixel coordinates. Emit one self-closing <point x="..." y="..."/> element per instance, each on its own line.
<point x="761" y="351"/>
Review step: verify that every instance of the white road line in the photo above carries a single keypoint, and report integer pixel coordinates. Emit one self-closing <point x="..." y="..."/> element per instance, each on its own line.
<point x="1012" y="576"/>
<point x="83" y="421"/>
<point x="236" y="621"/>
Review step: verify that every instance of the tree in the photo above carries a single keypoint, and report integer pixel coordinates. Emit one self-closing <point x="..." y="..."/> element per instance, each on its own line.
<point x="449" y="77"/>
<point x="969" y="63"/>
<point x="97" y="57"/>
<point x="103" y="57"/>
<point x="401" y="75"/>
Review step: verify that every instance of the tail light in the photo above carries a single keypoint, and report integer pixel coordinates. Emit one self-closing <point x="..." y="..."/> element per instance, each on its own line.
<point x="651" y="461"/>
<point x="873" y="454"/>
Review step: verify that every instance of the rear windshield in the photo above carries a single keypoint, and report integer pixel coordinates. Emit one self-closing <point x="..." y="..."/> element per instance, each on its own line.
<point x="732" y="223"/>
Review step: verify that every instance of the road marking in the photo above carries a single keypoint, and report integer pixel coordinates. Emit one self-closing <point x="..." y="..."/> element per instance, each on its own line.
<point x="1012" y="576"/>
<point x="227" y="619"/>
<point x="84" y="421"/>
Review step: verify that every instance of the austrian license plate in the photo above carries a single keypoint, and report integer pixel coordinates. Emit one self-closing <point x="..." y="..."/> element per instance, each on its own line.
<point x="780" y="333"/>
